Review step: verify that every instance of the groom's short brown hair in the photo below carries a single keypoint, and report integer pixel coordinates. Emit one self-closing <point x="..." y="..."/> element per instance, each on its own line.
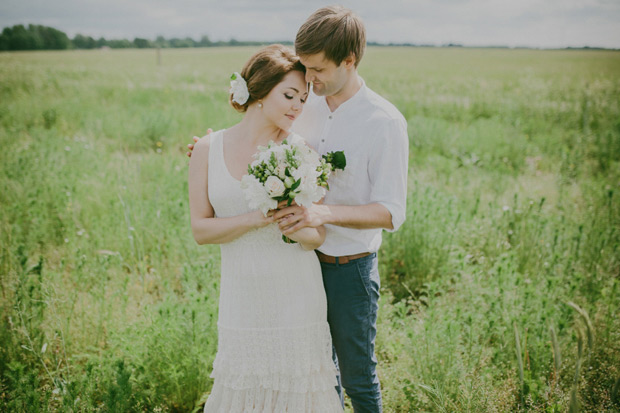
<point x="334" y="30"/>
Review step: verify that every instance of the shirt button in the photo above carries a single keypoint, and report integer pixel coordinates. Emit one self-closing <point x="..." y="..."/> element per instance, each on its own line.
<point x="322" y="140"/>
<point x="330" y="116"/>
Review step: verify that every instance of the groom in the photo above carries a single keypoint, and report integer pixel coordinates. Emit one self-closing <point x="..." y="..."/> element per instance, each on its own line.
<point x="365" y="198"/>
<point x="368" y="196"/>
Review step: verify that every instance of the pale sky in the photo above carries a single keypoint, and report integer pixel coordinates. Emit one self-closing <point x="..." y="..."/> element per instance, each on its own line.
<point x="532" y="23"/>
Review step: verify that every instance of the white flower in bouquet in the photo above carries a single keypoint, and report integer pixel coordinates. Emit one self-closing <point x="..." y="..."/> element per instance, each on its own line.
<point x="256" y="194"/>
<point x="280" y="152"/>
<point x="280" y="171"/>
<point x="310" y="189"/>
<point x="309" y="193"/>
<point x="274" y="186"/>
<point x="290" y="171"/>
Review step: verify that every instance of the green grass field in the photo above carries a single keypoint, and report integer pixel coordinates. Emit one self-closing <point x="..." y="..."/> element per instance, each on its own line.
<point x="500" y="292"/>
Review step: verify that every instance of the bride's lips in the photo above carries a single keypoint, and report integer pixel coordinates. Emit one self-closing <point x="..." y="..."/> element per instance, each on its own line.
<point x="291" y="117"/>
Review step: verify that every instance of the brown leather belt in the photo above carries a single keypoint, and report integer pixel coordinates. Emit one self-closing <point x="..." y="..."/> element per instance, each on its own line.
<point x="340" y="260"/>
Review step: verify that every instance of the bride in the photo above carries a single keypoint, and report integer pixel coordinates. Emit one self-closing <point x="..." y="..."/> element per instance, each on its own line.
<point x="274" y="347"/>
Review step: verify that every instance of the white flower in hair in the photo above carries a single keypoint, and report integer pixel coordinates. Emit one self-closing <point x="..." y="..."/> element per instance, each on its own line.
<point x="239" y="89"/>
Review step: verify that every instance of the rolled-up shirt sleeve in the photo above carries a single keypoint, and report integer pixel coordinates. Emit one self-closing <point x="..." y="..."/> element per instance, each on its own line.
<point x="388" y="167"/>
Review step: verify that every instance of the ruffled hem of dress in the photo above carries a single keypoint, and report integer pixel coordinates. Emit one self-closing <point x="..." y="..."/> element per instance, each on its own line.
<point x="261" y="400"/>
<point x="313" y="381"/>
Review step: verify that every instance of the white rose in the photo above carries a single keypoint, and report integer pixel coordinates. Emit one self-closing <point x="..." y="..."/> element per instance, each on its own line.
<point x="275" y="187"/>
<point x="239" y="89"/>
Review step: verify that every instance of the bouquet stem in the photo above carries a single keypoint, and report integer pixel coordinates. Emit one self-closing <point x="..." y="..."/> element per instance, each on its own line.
<point x="288" y="240"/>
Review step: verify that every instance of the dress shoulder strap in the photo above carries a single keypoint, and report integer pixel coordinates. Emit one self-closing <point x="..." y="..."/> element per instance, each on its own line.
<point x="216" y="153"/>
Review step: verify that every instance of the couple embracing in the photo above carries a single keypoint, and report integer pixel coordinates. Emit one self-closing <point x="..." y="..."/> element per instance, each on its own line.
<point x="297" y="321"/>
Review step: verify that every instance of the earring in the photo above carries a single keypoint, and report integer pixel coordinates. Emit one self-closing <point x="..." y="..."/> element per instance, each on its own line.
<point x="260" y="105"/>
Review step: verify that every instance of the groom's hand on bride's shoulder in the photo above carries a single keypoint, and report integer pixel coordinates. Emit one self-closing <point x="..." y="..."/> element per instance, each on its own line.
<point x="190" y="146"/>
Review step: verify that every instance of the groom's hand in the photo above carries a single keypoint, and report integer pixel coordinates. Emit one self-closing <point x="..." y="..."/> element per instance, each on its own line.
<point x="190" y="146"/>
<point x="294" y="218"/>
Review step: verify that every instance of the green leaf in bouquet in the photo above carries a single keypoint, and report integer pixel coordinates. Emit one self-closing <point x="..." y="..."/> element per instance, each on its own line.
<point x="339" y="161"/>
<point x="295" y="185"/>
<point x="291" y="198"/>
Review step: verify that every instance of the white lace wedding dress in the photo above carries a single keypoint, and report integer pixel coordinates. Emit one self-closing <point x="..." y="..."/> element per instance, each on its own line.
<point x="274" y="347"/>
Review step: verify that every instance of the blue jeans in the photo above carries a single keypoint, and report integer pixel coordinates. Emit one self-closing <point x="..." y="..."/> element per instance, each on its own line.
<point x="352" y="291"/>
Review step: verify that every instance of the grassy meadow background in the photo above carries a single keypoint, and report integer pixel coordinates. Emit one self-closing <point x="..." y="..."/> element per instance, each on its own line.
<point x="500" y="292"/>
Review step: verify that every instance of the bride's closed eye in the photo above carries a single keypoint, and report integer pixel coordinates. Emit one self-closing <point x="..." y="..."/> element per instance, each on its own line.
<point x="289" y="97"/>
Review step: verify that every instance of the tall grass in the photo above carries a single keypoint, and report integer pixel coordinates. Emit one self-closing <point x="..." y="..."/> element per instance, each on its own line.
<point x="508" y="260"/>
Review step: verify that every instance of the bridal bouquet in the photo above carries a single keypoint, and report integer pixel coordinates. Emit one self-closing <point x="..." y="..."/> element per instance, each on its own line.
<point x="290" y="171"/>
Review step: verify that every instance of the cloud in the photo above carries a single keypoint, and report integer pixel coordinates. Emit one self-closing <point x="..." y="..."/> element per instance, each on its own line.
<point x="538" y="23"/>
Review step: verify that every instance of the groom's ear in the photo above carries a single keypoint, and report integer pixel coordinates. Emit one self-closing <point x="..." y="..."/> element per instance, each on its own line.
<point x="349" y="61"/>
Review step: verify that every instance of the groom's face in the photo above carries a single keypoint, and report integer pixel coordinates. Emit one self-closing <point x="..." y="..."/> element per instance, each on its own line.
<point x="326" y="77"/>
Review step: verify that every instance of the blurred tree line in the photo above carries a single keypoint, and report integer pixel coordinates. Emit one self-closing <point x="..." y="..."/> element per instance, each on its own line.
<point x="36" y="37"/>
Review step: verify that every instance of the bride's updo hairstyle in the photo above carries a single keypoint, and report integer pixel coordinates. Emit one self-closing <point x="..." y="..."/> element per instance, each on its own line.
<point x="264" y="70"/>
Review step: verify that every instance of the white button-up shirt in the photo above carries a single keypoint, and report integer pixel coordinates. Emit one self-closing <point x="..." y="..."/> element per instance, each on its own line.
<point x="373" y="135"/>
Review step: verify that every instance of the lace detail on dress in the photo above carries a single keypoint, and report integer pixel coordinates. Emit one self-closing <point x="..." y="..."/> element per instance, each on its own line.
<point x="287" y="359"/>
<point x="274" y="347"/>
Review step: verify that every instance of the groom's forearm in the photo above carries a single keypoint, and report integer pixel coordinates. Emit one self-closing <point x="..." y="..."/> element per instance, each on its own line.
<point x="357" y="216"/>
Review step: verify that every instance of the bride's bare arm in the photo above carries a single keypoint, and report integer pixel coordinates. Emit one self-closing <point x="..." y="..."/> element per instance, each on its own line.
<point x="206" y="228"/>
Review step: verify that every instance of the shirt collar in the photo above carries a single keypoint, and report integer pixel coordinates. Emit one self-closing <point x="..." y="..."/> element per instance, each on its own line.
<point x="349" y="103"/>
